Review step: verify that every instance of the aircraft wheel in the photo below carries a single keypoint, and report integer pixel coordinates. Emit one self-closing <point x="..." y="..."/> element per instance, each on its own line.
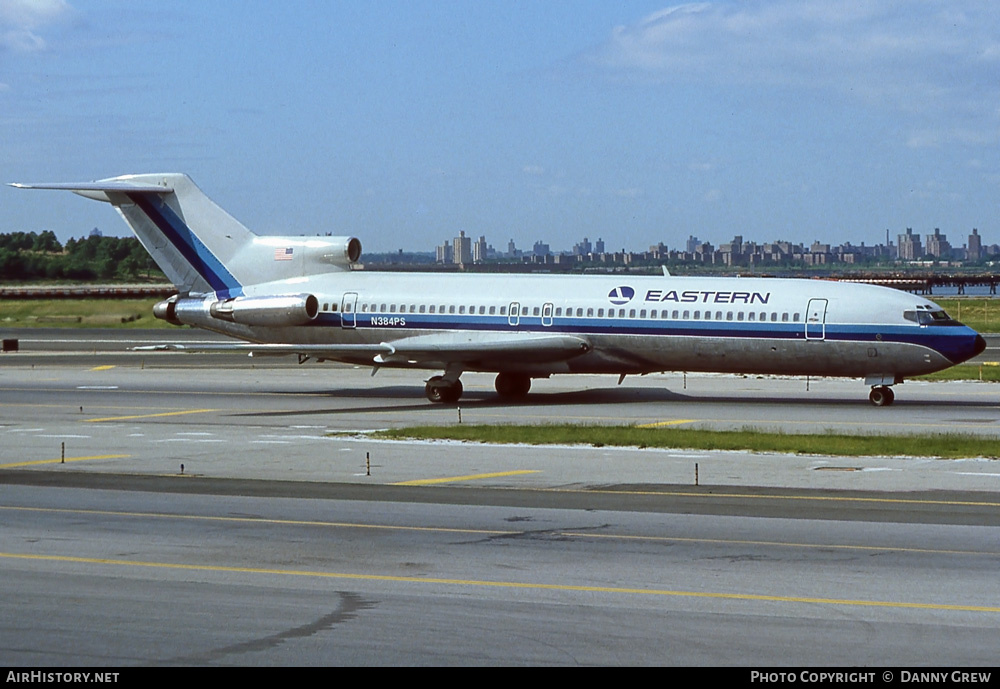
<point x="881" y="396"/>
<point x="440" y="391"/>
<point x="512" y="384"/>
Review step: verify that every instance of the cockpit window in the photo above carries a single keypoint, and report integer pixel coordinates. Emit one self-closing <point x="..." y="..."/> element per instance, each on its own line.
<point x="938" y="317"/>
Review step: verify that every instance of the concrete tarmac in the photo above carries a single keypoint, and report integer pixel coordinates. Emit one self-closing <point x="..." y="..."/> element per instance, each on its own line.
<point x="279" y="544"/>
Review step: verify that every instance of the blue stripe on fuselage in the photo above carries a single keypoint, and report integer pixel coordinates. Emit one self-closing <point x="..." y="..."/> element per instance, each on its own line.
<point x="956" y="343"/>
<point x="187" y="243"/>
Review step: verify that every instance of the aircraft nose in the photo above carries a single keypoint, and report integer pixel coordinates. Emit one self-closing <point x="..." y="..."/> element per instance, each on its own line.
<point x="980" y="345"/>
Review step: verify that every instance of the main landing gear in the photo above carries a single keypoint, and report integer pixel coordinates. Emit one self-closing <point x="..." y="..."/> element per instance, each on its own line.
<point x="881" y="396"/>
<point x="445" y="390"/>
<point x="512" y="385"/>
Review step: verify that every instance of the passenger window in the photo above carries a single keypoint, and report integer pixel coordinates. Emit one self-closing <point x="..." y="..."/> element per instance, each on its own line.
<point x="451" y="308"/>
<point x="687" y="315"/>
<point x="708" y="315"/>
<point x="432" y="308"/>
<point x="493" y="310"/>
<point x="461" y="309"/>
<point x="558" y="310"/>
<point x="796" y="318"/>
<point x="482" y="310"/>
<point x="631" y="313"/>
<point x="642" y="313"/>
<point x="600" y="313"/>
<point x="784" y="317"/>
<point x="392" y="308"/>
<point x="503" y="310"/>
<point x="535" y="311"/>
<point x="774" y="316"/>
<point x="590" y="313"/>
<point x="729" y="315"/>
<point x="423" y="309"/>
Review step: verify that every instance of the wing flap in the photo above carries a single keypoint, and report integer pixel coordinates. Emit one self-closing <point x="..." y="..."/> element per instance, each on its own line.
<point x="319" y="351"/>
<point x="442" y="348"/>
<point x="479" y="347"/>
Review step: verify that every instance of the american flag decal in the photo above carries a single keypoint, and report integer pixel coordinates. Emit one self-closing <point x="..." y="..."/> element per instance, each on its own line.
<point x="283" y="254"/>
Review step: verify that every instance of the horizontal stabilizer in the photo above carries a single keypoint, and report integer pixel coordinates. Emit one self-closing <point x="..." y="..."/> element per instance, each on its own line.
<point x="113" y="186"/>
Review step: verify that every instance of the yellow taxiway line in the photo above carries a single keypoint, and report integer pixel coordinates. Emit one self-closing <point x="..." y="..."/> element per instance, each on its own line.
<point x="470" y="477"/>
<point x="150" y="416"/>
<point x="675" y="422"/>
<point x="503" y="584"/>
<point x="60" y="461"/>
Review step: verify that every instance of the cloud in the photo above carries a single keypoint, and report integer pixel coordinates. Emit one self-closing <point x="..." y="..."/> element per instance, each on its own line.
<point x="913" y="55"/>
<point x="22" y="20"/>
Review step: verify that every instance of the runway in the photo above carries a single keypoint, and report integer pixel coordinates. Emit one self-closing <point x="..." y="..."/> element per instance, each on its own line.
<point x="281" y="545"/>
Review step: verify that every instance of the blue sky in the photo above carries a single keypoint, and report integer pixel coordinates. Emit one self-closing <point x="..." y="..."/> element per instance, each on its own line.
<point x="405" y="122"/>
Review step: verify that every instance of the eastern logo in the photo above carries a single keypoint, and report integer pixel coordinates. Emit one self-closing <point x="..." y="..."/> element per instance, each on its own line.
<point x="621" y="295"/>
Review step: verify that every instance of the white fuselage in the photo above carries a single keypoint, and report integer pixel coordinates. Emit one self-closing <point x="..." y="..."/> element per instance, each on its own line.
<point x="634" y="324"/>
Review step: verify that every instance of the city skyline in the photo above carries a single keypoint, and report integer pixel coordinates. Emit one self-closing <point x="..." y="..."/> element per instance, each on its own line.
<point x="908" y="247"/>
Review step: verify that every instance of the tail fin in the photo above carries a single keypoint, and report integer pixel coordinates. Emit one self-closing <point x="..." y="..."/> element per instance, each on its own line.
<point x="199" y="246"/>
<point x="191" y="239"/>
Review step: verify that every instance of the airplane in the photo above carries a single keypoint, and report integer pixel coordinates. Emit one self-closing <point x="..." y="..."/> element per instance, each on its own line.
<point x="305" y="296"/>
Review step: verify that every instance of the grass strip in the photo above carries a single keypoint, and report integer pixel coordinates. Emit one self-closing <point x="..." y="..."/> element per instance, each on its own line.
<point x="988" y="372"/>
<point x="946" y="445"/>
<point x="80" y="313"/>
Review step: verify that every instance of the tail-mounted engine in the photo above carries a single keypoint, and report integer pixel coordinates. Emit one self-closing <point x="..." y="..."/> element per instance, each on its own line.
<point x="277" y="311"/>
<point x="271" y="311"/>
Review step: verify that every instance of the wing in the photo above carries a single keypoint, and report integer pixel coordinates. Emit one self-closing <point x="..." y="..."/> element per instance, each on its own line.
<point x="479" y="350"/>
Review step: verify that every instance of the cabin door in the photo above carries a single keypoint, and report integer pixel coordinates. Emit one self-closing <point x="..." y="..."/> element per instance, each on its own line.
<point x="514" y="314"/>
<point x="816" y="319"/>
<point x="348" y="310"/>
<point x="547" y="315"/>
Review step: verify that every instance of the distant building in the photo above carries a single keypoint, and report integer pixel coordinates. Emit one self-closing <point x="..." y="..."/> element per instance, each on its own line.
<point x="910" y="248"/>
<point x="462" y="249"/>
<point x="974" y="251"/>
<point x="937" y="245"/>
<point x="480" y="250"/>
<point x="443" y="253"/>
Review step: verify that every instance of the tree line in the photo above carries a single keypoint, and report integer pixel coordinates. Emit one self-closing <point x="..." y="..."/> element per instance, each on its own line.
<point x="26" y="256"/>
